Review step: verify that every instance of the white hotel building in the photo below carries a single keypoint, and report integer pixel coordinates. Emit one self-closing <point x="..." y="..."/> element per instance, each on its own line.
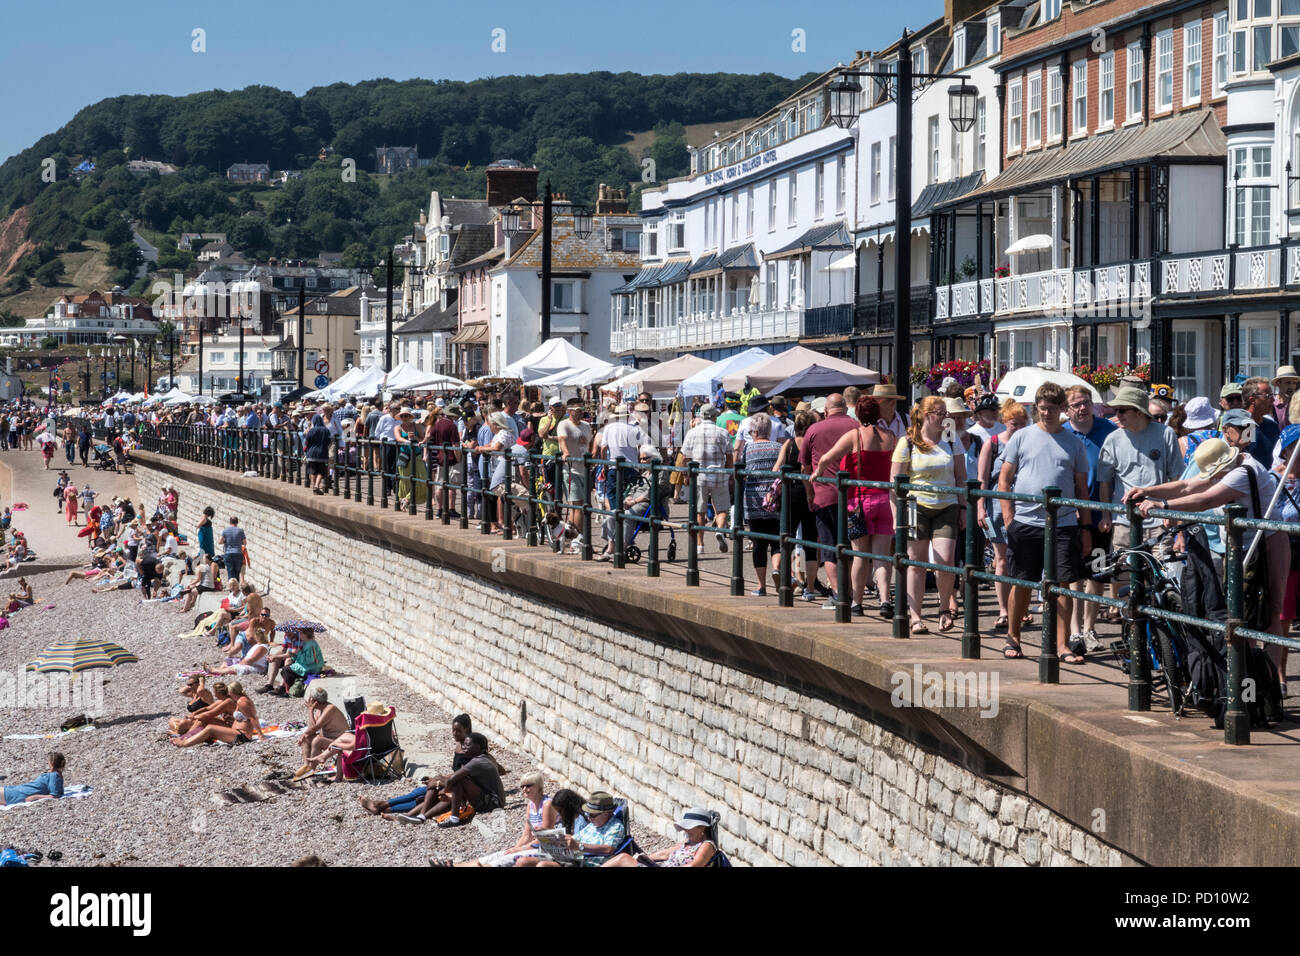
<point x="752" y="248"/>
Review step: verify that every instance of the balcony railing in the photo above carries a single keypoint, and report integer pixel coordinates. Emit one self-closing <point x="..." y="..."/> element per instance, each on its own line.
<point x="711" y="331"/>
<point x="828" y="320"/>
<point x="1216" y="272"/>
<point x="874" y="311"/>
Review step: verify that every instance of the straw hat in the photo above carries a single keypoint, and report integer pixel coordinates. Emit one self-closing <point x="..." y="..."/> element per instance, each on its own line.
<point x="955" y="406"/>
<point x="1286" y="373"/>
<point x="1213" y="456"/>
<point x="885" y="391"/>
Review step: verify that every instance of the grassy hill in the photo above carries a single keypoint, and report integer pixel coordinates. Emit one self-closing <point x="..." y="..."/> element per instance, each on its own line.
<point x="82" y="272"/>
<point x="638" y="144"/>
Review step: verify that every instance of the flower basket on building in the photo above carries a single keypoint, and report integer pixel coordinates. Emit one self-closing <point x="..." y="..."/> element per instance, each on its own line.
<point x="964" y="373"/>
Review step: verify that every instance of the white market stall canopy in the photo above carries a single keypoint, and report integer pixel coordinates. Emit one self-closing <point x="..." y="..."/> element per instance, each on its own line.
<point x="702" y="382"/>
<point x="407" y="378"/>
<point x="355" y="381"/>
<point x="578" y="377"/>
<point x="551" y="358"/>
<point x="661" y="380"/>
<point x="765" y="375"/>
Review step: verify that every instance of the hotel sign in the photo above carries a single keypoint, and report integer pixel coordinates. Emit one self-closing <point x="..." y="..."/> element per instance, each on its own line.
<point x="739" y="169"/>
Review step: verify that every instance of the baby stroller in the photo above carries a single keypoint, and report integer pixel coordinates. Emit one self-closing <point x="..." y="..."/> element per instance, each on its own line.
<point x="633" y="553"/>
<point x="104" y="457"/>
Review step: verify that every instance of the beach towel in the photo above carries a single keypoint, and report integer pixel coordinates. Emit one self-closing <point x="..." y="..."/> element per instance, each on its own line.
<point x="70" y="792"/>
<point x="20" y="506"/>
<point x="50" y="736"/>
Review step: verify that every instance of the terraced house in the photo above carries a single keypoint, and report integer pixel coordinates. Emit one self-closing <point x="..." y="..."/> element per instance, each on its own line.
<point x="751" y="248"/>
<point x="1142" y="214"/>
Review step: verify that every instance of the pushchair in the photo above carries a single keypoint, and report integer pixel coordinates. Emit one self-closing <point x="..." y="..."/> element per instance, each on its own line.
<point x="104" y="457"/>
<point x="633" y="553"/>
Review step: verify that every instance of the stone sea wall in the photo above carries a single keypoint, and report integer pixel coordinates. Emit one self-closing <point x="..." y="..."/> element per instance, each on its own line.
<point x="798" y="780"/>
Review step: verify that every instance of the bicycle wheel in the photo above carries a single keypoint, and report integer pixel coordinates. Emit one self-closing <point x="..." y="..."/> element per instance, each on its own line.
<point x="1176" y="679"/>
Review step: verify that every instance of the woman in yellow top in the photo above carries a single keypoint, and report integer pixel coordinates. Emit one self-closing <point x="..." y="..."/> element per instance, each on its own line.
<point x="930" y="454"/>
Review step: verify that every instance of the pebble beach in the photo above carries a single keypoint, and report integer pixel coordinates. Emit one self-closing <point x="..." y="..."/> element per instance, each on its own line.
<point x="154" y="804"/>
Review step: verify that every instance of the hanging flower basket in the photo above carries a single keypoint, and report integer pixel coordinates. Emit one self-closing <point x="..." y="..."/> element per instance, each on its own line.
<point x="965" y="373"/>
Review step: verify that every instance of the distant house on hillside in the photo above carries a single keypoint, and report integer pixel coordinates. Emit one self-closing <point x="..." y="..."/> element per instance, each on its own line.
<point x="249" y="173"/>
<point x="188" y="239"/>
<point x="284" y="175"/>
<point x="217" y="249"/>
<point x="395" y="159"/>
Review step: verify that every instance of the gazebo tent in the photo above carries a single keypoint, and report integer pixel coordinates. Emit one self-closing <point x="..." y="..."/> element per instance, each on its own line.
<point x="407" y="378"/>
<point x="703" y="381"/>
<point x="765" y="375"/>
<point x="578" y="377"/>
<point x="555" y="355"/>
<point x="661" y="380"/>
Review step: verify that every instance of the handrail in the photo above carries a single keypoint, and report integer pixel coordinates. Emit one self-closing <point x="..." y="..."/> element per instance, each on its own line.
<point x="533" y="487"/>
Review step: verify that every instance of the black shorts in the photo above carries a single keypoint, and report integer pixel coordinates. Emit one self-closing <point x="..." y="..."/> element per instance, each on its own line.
<point x="320" y="468"/>
<point x="485" y="802"/>
<point x="826" y="519"/>
<point x="1026" y="546"/>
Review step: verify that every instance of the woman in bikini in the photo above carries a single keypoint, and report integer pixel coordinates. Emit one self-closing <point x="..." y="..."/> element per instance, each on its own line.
<point x="243" y="723"/>
<point x="199" y="697"/>
<point x="216" y="712"/>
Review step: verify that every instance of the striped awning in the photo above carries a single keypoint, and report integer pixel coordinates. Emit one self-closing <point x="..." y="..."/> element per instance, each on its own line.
<point x="1191" y="137"/>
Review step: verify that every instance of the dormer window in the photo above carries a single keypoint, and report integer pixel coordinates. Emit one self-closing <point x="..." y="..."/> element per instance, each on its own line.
<point x="995" y="33"/>
<point x="959" y="49"/>
<point x="1051" y="10"/>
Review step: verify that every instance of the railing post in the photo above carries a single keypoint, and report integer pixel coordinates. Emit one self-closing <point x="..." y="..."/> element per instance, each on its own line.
<point x="484" y="526"/>
<point x="464" y="491"/>
<point x="692" y="547"/>
<point x="1049" y="663"/>
<point x="652" y="526"/>
<point x="337" y="462"/>
<point x="970" y="634"/>
<point x="535" y="512"/>
<point x="616" y="505"/>
<point x="370" y="471"/>
<point x="586" y="510"/>
<point x="902" y="614"/>
<point x="1139" y="668"/>
<point x="505" y="506"/>
<point x="346" y="466"/>
<point x="737" y="540"/>
<point x="429" y="483"/>
<point x="1236" y="720"/>
<point x="843" y="563"/>
<point x="410" y="504"/>
<point x="785" y="574"/>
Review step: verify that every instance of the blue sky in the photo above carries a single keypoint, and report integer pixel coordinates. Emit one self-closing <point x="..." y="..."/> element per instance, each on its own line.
<point x="76" y="52"/>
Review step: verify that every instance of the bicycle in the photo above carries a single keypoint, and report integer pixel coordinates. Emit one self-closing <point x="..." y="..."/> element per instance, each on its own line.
<point x="1166" y="640"/>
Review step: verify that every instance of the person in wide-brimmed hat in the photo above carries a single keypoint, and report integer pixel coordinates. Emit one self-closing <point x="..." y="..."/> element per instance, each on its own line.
<point x="696" y="848"/>
<point x="1226" y="475"/>
<point x="1139" y="452"/>
<point x="1286" y="381"/>
<point x="888" y="396"/>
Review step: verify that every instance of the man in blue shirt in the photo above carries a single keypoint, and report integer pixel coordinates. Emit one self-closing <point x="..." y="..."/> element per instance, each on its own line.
<point x="1257" y="399"/>
<point x="1092" y="430"/>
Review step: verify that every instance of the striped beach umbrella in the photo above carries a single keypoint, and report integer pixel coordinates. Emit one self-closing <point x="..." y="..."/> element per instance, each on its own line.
<point x="74" y="656"/>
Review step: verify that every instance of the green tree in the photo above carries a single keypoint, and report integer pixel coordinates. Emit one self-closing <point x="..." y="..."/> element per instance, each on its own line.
<point x="50" y="273"/>
<point x="117" y="231"/>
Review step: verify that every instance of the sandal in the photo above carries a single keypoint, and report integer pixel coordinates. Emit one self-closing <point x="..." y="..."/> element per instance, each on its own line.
<point x="1071" y="658"/>
<point x="1012" y="652"/>
<point x="919" y="628"/>
<point x="946" y="621"/>
<point x="1001" y="623"/>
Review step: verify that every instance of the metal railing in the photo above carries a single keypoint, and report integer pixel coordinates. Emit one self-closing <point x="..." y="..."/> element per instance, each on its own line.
<point x="530" y="490"/>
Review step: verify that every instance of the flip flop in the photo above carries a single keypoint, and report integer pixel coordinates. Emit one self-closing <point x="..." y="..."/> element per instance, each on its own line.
<point x="1001" y="623"/>
<point x="920" y="628"/>
<point x="946" y="621"/>
<point x="1072" y="658"/>
<point x="1016" y="653"/>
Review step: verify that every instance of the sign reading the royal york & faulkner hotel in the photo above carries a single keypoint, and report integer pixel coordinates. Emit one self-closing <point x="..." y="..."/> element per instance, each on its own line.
<point x="739" y="169"/>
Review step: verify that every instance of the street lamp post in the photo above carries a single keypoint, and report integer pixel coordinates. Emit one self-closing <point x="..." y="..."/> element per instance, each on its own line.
<point x="844" y="91"/>
<point x="302" y="325"/>
<point x="512" y="222"/>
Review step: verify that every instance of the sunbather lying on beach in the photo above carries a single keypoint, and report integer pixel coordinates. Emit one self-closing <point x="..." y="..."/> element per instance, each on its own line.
<point x="243" y="726"/>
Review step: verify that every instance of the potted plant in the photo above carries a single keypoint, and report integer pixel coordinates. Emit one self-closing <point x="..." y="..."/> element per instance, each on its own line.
<point x="968" y="268"/>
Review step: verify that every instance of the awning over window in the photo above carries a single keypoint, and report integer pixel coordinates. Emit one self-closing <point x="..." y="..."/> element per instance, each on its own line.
<point x="475" y="334"/>
<point x="674" y="270"/>
<point x="825" y="238"/>
<point x="736" y="259"/>
<point x="1190" y="137"/>
<point x="936" y="194"/>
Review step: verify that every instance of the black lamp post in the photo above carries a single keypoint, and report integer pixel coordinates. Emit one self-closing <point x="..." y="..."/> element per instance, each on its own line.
<point x="901" y="85"/>
<point x="512" y="223"/>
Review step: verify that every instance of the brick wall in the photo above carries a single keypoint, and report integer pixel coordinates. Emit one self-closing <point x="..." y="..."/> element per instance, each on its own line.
<point x="797" y="779"/>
